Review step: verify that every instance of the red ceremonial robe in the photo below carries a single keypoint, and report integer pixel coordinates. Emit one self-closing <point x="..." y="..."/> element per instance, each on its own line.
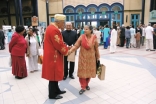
<point x="54" y="49"/>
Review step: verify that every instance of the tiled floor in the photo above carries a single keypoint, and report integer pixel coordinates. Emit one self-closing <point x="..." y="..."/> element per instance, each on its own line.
<point x="130" y="79"/>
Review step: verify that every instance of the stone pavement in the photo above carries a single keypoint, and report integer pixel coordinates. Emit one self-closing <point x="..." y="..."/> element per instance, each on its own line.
<point x="130" y="79"/>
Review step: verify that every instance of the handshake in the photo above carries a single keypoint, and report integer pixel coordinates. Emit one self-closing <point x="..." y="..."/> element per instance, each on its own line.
<point x="69" y="52"/>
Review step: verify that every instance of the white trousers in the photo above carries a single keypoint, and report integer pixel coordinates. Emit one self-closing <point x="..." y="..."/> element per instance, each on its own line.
<point x="149" y="44"/>
<point x="33" y="62"/>
<point x="112" y="47"/>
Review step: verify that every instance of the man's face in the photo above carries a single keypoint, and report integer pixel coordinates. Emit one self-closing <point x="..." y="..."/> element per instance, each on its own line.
<point x="68" y="26"/>
<point x="61" y="24"/>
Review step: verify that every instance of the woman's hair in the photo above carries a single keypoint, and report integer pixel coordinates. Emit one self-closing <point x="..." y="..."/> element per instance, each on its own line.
<point x="115" y="27"/>
<point x="132" y="26"/>
<point x="19" y="28"/>
<point x="106" y="25"/>
<point x="90" y="28"/>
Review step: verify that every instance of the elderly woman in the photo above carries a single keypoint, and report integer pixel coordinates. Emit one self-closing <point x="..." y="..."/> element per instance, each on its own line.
<point x="88" y="55"/>
<point x="17" y="48"/>
<point x="32" y="51"/>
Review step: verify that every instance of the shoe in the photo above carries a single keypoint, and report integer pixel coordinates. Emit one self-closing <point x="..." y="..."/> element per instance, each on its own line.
<point x="31" y="71"/>
<point x="57" y="97"/>
<point x="62" y="92"/>
<point x="152" y="50"/>
<point x="17" y="77"/>
<point x="64" y="78"/>
<point x="88" y="88"/>
<point x="72" y="77"/>
<point x="147" y="49"/>
<point x="81" y="91"/>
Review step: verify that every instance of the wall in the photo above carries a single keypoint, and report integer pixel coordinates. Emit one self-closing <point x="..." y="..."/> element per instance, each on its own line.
<point x="42" y="11"/>
<point x="74" y="3"/>
<point x="131" y="7"/>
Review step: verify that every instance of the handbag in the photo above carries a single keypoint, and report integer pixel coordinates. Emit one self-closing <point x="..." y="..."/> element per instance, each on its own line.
<point x="40" y="59"/>
<point x="101" y="72"/>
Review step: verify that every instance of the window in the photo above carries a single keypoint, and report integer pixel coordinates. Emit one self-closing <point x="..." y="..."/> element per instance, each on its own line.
<point x="52" y="19"/>
<point x="70" y="18"/>
<point x="69" y="10"/>
<point x="135" y="19"/>
<point x="80" y="17"/>
<point x="117" y="18"/>
<point x="91" y="9"/>
<point x="116" y="8"/>
<point x="103" y="9"/>
<point x="80" y="10"/>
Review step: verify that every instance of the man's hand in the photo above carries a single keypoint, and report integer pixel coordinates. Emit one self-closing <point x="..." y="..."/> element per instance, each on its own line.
<point x="69" y="47"/>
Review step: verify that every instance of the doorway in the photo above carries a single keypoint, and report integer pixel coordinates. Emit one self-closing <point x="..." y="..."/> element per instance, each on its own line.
<point x="103" y="23"/>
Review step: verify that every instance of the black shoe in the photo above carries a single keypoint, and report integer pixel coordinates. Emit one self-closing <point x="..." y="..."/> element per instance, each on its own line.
<point x="152" y="50"/>
<point x="57" y="97"/>
<point x="64" y="78"/>
<point x="88" y="88"/>
<point x="62" y="92"/>
<point x="72" y="77"/>
<point x="81" y="91"/>
<point x="17" y="77"/>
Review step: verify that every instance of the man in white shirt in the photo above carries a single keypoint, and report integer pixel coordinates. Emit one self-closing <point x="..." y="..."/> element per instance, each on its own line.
<point x="149" y="37"/>
<point x="98" y="34"/>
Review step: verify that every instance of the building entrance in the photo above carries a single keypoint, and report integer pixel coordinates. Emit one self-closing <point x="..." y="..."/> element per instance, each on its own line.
<point x="103" y="23"/>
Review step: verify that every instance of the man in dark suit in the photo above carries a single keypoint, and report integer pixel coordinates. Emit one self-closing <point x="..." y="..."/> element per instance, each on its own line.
<point x="2" y="37"/>
<point x="122" y="36"/>
<point x="69" y="37"/>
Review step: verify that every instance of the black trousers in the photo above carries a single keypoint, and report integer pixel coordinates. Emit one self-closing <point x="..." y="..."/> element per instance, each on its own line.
<point x="122" y="41"/>
<point x="1" y="43"/>
<point x="71" y="69"/>
<point x="154" y="43"/>
<point x="53" y="89"/>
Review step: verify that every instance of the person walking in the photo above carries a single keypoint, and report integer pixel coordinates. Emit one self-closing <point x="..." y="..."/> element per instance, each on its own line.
<point x="149" y="37"/>
<point x="113" y="39"/>
<point x="127" y="36"/>
<point x="133" y="39"/>
<point x="54" y="49"/>
<point x="17" y="49"/>
<point x="154" y="36"/>
<point x="2" y="37"/>
<point x="69" y="37"/>
<point x="32" y="51"/>
<point x="106" y="33"/>
<point x="98" y="35"/>
<point x="9" y="34"/>
<point x="89" y="54"/>
<point x="122" y="36"/>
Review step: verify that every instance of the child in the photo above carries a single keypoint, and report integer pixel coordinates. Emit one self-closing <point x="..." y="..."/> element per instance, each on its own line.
<point x="137" y="36"/>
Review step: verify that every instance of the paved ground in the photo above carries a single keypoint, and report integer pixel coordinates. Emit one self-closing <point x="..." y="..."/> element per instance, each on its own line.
<point x="130" y="79"/>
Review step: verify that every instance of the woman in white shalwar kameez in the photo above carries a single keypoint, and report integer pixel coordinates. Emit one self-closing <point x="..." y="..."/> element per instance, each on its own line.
<point x="32" y="51"/>
<point x="113" y="39"/>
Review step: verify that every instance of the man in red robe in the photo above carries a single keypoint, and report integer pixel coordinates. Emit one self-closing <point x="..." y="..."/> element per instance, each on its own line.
<point x="54" y="51"/>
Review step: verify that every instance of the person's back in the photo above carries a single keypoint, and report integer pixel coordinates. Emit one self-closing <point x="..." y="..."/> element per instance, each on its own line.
<point x="148" y="32"/>
<point x="127" y="33"/>
<point x="132" y="30"/>
<point x="122" y="32"/>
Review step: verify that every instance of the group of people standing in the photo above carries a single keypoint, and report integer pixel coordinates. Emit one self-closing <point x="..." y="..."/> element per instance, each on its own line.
<point x="128" y="36"/>
<point x="21" y="45"/>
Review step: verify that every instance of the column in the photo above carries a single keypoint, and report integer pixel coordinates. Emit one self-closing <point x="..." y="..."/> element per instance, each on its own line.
<point x="47" y="11"/>
<point x="8" y="9"/>
<point x="20" y="12"/>
<point x="143" y="11"/>
<point x="16" y="12"/>
<point x="34" y="4"/>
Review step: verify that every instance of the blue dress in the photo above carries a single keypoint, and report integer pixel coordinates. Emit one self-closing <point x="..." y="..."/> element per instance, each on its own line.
<point x="9" y="34"/>
<point x="106" y="32"/>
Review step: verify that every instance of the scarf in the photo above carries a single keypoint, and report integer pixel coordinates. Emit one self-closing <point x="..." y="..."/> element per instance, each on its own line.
<point x="87" y="44"/>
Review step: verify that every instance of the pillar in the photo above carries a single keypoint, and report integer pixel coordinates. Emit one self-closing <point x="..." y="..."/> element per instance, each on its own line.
<point x="16" y="12"/>
<point x="143" y="11"/>
<point x="47" y="11"/>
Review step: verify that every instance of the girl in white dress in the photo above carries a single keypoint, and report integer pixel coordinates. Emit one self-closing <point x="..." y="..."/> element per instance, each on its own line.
<point x="113" y="39"/>
<point x="32" y="51"/>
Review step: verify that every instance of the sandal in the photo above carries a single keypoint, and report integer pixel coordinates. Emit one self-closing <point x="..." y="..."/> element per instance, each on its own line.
<point x="88" y="88"/>
<point x="81" y="91"/>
